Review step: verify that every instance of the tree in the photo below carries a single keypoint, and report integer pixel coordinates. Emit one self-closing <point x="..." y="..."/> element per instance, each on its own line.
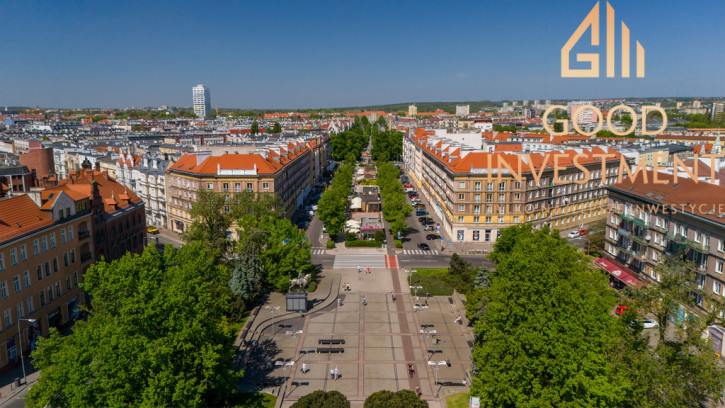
<point x="156" y="336"/>
<point x="547" y="331"/>
<point x="211" y="221"/>
<point x="389" y="399"/>
<point x="246" y="282"/>
<point x="558" y="127"/>
<point x="277" y="128"/>
<point x="255" y="127"/>
<point x="460" y="274"/>
<point x="322" y="399"/>
<point x="682" y="370"/>
<point x="595" y="238"/>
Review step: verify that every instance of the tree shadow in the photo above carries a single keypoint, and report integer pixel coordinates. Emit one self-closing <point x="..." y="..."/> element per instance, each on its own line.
<point x="259" y="366"/>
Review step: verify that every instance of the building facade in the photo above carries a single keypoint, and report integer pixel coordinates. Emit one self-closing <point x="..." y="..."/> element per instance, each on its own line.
<point x="150" y="178"/>
<point x="45" y="246"/>
<point x="201" y="100"/>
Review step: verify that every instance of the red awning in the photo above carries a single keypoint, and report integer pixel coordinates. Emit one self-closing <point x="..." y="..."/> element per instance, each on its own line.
<point x="618" y="272"/>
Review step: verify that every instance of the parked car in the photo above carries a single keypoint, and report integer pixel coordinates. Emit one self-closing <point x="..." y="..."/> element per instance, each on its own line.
<point x="431" y="237"/>
<point x="412" y="194"/>
<point x="429" y="228"/>
<point x="408" y="186"/>
<point x="620" y="309"/>
<point x="419" y="213"/>
<point x="419" y="206"/>
<point x="573" y="234"/>
<point x="426" y="220"/>
<point x="424" y="247"/>
<point x="649" y="323"/>
<point x="582" y="232"/>
<point x="152" y="230"/>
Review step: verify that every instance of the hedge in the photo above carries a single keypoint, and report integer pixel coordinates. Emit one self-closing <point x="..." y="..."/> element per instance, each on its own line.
<point x="363" y="243"/>
<point x="330" y="244"/>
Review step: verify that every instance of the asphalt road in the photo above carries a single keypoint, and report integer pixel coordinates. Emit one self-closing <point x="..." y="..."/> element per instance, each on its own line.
<point x="17" y="401"/>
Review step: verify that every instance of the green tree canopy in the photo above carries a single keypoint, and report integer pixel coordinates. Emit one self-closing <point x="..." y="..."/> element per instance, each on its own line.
<point x="389" y="399"/>
<point x="277" y="128"/>
<point x="211" y="221"/>
<point x="254" y="129"/>
<point x="322" y="399"/>
<point x="156" y="336"/>
<point x="547" y="331"/>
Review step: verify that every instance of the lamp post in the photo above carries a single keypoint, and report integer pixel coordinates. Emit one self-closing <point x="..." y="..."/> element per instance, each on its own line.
<point x="435" y="365"/>
<point x="284" y="365"/>
<point x="294" y="334"/>
<point x="20" y="346"/>
<point x="420" y="314"/>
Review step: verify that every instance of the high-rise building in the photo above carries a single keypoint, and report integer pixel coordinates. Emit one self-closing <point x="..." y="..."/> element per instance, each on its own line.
<point x="412" y="110"/>
<point x="202" y="100"/>
<point x="462" y="110"/>
<point x="717" y="108"/>
<point x="696" y="104"/>
<point x="525" y="103"/>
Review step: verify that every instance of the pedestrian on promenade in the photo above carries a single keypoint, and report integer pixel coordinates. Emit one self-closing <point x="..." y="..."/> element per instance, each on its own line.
<point x="332" y="374"/>
<point x="368" y="269"/>
<point x="339" y="302"/>
<point x="304" y="368"/>
<point x="364" y="301"/>
<point x="392" y="296"/>
<point x="417" y="390"/>
<point x="337" y="373"/>
<point x="358" y="269"/>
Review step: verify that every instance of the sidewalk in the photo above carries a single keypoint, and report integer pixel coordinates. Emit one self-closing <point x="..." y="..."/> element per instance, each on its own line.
<point x="8" y="389"/>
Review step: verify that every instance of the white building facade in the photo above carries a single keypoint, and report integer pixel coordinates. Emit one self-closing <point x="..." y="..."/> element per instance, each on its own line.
<point x="201" y="100"/>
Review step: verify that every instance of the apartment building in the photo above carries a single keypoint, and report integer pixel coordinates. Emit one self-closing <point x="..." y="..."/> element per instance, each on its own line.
<point x="477" y="193"/>
<point x="649" y="222"/>
<point x="45" y="246"/>
<point x="150" y="176"/>
<point x="285" y="170"/>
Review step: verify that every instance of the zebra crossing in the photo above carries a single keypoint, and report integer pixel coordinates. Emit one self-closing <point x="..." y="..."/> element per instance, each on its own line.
<point x="353" y="261"/>
<point x="318" y="251"/>
<point x="419" y="252"/>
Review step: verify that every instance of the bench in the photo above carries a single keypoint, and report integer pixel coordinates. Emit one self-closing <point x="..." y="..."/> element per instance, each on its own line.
<point x="330" y="350"/>
<point x="331" y="341"/>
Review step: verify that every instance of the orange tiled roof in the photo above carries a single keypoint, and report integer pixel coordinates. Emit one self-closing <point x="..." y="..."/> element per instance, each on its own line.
<point x="20" y="215"/>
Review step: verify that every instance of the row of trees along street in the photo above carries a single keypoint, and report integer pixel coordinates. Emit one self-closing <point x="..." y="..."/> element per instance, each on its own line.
<point x="395" y="204"/>
<point x="158" y="331"/>
<point x="546" y="335"/>
<point x="333" y="203"/>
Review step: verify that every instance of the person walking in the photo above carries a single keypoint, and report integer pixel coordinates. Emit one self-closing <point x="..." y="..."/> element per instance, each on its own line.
<point x="337" y="373"/>
<point x="368" y="269"/>
<point x="364" y="301"/>
<point x="332" y="374"/>
<point x="392" y="296"/>
<point x="358" y="269"/>
<point x="304" y="368"/>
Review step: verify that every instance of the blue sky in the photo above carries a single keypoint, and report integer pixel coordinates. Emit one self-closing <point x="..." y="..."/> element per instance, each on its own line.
<point x="293" y="54"/>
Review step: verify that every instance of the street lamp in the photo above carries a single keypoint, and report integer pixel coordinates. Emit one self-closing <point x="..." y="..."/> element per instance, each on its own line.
<point x="420" y="314"/>
<point x="435" y="365"/>
<point x="284" y="365"/>
<point x="429" y="333"/>
<point x="20" y="346"/>
<point x="294" y="334"/>
<point x="415" y="288"/>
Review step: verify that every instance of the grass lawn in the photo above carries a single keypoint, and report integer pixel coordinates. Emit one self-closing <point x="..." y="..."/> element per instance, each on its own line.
<point x="458" y="400"/>
<point x="254" y="400"/>
<point x="432" y="280"/>
<point x="236" y="327"/>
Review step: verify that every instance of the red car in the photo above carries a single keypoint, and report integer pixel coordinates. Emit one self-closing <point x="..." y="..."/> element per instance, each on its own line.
<point x="583" y="232"/>
<point x="408" y="186"/>
<point x="620" y="309"/>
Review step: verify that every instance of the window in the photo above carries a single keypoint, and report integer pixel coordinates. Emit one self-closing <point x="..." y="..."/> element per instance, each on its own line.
<point x="516" y="219"/>
<point x="8" y="319"/>
<point x="65" y="259"/>
<point x="75" y="279"/>
<point x="42" y="298"/>
<point x="476" y="219"/>
<point x="55" y="265"/>
<point x="2" y="262"/>
<point x="489" y="198"/>
<point x="40" y="272"/>
<point x="720" y="247"/>
<point x="477" y="186"/>
<point x="23" y="254"/>
<point x="16" y="283"/>
<point x="249" y="187"/>
<point x="36" y="247"/>
<point x="716" y="288"/>
<point x="237" y="187"/>
<point x="265" y="186"/>
<point x="517" y="185"/>
<point x="47" y="268"/>
<point x="517" y="196"/>
<point x="26" y="278"/>
<point x="72" y="256"/>
<point x="501" y="198"/>
<point x="488" y="220"/>
<point x="477" y="198"/>
<point x="461" y="185"/>
<point x="4" y="289"/>
<point x="21" y="311"/>
<point x="718" y="267"/>
<point x="51" y="295"/>
<point x="461" y="208"/>
<point x="461" y="197"/>
<point x="29" y="305"/>
<point x="57" y="289"/>
<point x="489" y="186"/>
<point x="460" y="219"/>
<point x="44" y="243"/>
<point x="477" y="209"/>
<point x="500" y="220"/>
<point x="476" y="235"/>
<point x="502" y="186"/>
<point x="67" y="283"/>
<point x="52" y="240"/>
<point x="225" y="187"/>
<point x="70" y="233"/>
<point x="209" y="186"/>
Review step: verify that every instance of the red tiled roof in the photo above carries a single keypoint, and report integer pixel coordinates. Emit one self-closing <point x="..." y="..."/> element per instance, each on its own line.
<point x="20" y="215"/>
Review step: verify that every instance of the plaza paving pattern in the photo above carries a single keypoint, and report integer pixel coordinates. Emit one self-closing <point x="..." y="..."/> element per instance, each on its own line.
<point x="381" y="338"/>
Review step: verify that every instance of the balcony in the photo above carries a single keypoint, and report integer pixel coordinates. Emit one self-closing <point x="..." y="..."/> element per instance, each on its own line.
<point x="638" y="239"/>
<point x="678" y="238"/>
<point x="83" y="234"/>
<point x="697" y="246"/>
<point x="641" y="223"/>
<point x="623" y="232"/>
<point x="658" y="228"/>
